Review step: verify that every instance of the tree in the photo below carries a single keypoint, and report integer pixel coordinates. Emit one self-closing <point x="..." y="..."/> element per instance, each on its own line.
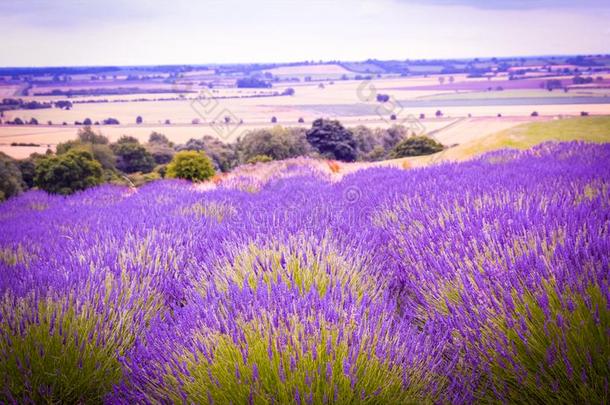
<point x="128" y="139"/>
<point x="11" y="182"/>
<point x="366" y="140"/>
<point x="289" y="91"/>
<point x="64" y="174"/>
<point x="224" y="156"/>
<point x="139" y="120"/>
<point x="382" y="98"/>
<point x="111" y="121"/>
<point x="87" y="121"/>
<point x="132" y="157"/>
<point x="156" y="137"/>
<point x="416" y="146"/>
<point x="393" y="136"/>
<point x="87" y="135"/>
<point x="27" y="167"/>
<point x="273" y="120"/>
<point x="161" y="152"/>
<point x="278" y="143"/>
<point x="331" y="139"/>
<point x="190" y="165"/>
<point x="438" y="113"/>
<point x="441" y="80"/>
<point x="252" y="82"/>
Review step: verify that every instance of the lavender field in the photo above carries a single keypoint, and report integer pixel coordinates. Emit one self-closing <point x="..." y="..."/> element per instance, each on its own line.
<point x="484" y="281"/>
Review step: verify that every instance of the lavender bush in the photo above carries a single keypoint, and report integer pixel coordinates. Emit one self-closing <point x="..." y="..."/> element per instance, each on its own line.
<point x="485" y="281"/>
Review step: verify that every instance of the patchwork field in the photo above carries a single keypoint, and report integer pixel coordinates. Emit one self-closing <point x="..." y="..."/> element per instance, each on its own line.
<point x="351" y="101"/>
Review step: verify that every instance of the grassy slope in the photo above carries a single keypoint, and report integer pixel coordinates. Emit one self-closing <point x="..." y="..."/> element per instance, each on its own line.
<point x="591" y="129"/>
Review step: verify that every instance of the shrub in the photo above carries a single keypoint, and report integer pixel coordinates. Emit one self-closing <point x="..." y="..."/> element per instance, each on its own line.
<point x="416" y="146"/>
<point x="64" y="174"/>
<point x="259" y="159"/>
<point x="223" y="155"/>
<point x="139" y="179"/>
<point x="190" y="165"/>
<point x="139" y="120"/>
<point x="331" y="139"/>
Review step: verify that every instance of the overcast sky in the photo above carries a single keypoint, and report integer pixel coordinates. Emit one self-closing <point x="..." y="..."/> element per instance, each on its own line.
<point x="129" y="32"/>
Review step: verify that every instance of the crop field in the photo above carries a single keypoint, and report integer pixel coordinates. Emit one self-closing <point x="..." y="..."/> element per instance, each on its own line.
<point x="351" y="101"/>
<point x="314" y="71"/>
<point x="480" y="281"/>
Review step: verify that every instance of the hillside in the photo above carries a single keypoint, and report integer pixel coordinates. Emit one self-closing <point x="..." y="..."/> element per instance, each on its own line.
<point x="524" y="136"/>
<point x="440" y="285"/>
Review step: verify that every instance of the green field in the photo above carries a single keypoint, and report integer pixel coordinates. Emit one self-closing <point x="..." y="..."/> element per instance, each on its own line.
<point x="590" y="129"/>
<point x="508" y="94"/>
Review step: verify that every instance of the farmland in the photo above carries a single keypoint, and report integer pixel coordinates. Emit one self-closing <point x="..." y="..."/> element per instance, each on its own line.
<point x="295" y="280"/>
<point x="187" y="102"/>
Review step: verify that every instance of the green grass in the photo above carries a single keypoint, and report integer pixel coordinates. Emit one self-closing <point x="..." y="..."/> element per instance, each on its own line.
<point x="589" y="129"/>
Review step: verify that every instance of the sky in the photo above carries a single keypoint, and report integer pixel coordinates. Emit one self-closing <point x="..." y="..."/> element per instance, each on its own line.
<point x="151" y="32"/>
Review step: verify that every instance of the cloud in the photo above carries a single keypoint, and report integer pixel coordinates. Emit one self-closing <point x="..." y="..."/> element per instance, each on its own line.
<point x="516" y="4"/>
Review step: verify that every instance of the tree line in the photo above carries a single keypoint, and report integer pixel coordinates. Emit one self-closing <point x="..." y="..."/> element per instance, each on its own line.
<point x="91" y="159"/>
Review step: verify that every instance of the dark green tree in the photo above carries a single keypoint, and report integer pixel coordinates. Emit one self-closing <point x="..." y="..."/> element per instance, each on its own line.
<point x="11" y="182"/>
<point x="156" y="137"/>
<point x="132" y="157"/>
<point x="27" y="167"/>
<point x="331" y="139"/>
<point x="64" y="174"/>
